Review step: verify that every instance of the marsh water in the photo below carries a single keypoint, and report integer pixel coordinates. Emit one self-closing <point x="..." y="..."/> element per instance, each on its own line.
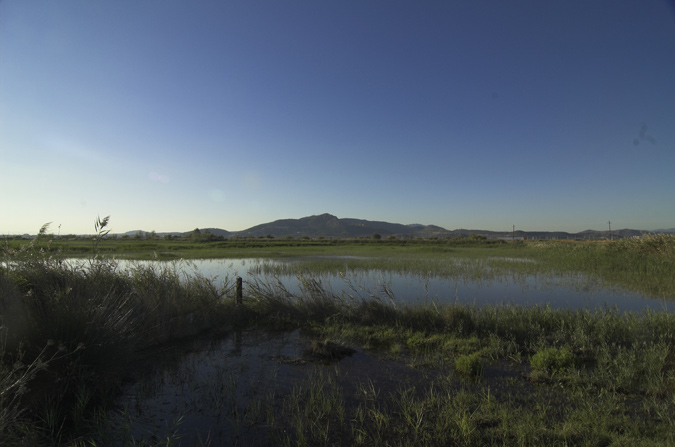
<point x="238" y="390"/>
<point x="466" y="281"/>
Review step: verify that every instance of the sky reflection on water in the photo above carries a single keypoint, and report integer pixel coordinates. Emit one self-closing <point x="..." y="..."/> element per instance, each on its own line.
<point x="558" y="291"/>
<point x="214" y="390"/>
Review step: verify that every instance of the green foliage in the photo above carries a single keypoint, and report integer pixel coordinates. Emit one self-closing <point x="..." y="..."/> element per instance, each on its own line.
<point x="644" y="264"/>
<point x="469" y="364"/>
<point x="553" y="359"/>
<point x="462" y="345"/>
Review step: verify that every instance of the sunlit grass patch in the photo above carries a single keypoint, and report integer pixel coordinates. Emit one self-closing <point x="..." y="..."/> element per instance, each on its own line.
<point x="551" y="361"/>
<point x="644" y="264"/>
<point x="469" y="364"/>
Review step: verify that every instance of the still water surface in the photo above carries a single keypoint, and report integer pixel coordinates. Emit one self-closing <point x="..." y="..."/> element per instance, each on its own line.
<point x="557" y="291"/>
<point x="225" y="391"/>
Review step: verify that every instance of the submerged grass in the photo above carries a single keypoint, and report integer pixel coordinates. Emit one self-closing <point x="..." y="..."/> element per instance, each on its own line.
<point x="641" y="264"/>
<point x="70" y="333"/>
<point x="593" y="377"/>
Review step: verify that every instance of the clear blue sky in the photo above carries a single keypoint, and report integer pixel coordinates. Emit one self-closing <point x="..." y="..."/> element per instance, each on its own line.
<point x="170" y="115"/>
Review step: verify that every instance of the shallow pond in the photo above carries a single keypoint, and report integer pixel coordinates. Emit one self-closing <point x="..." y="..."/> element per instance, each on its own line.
<point x="464" y="281"/>
<point x="249" y="387"/>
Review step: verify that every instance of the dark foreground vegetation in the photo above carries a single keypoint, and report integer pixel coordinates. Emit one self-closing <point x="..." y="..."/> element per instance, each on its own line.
<point x="497" y="375"/>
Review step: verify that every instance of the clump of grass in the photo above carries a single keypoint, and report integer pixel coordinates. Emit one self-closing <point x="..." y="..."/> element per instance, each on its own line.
<point x="470" y="365"/>
<point x="551" y="361"/>
<point x="462" y="345"/>
<point x="425" y="342"/>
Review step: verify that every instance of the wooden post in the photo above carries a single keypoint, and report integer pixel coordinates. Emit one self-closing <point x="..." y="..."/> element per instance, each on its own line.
<point x="239" y="298"/>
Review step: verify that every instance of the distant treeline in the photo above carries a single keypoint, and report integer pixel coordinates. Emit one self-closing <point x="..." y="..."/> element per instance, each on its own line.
<point x="206" y="236"/>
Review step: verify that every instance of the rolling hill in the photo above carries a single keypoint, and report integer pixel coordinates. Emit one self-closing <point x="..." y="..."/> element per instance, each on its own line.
<point x="330" y="226"/>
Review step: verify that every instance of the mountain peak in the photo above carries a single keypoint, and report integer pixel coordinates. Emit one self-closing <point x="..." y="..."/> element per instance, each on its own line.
<point x="328" y="225"/>
<point x="324" y="216"/>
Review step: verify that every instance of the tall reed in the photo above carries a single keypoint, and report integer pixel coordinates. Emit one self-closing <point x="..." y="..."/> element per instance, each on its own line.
<point x="71" y="331"/>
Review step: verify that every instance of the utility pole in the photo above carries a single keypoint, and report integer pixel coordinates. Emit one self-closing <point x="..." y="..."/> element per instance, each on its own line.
<point x="610" y="229"/>
<point x="514" y="234"/>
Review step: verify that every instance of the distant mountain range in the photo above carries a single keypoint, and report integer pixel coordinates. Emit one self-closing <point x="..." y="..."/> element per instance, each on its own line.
<point x="329" y="226"/>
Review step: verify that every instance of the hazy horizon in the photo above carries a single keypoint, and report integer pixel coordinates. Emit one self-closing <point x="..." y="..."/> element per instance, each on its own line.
<point x="550" y="116"/>
<point x="52" y="229"/>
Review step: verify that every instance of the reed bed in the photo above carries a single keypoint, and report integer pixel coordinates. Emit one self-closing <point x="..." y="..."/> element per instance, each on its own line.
<point x="644" y="264"/>
<point x="70" y="333"/>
